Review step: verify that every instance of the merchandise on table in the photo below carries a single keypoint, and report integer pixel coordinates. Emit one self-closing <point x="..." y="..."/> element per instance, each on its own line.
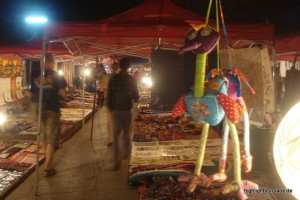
<point x="17" y="159"/>
<point x="162" y="140"/>
<point x="7" y="178"/>
<point x="164" y="127"/>
<point x="74" y="114"/>
<point x="172" y="152"/>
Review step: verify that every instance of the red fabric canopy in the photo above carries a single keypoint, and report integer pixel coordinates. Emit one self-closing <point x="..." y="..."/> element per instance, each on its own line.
<point x="34" y="46"/>
<point x="287" y="46"/>
<point x="135" y="32"/>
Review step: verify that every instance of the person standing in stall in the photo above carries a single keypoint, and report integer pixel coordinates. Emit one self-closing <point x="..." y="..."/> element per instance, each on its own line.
<point x="54" y="89"/>
<point x="103" y="88"/>
<point x="122" y="91"/>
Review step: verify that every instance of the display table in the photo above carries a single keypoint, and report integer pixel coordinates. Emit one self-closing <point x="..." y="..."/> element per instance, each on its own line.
<point x="165" y="149"/>
<point x="17" y="161"/>
<point x="18" y="144"/>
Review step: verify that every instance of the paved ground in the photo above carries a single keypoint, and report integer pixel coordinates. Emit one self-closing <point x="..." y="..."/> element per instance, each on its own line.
<point x="84" y="170"/>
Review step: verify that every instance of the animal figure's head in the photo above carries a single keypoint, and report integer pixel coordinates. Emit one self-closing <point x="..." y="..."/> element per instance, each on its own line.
<point x="201" y="39"/>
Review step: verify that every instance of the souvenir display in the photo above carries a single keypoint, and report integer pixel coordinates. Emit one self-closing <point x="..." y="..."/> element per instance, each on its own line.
<point x="7" y="89"/>
<point x="2" y="101"/>
<point x="18" y="133"/>
<point x="19" y="92"/>
<point x="215" y="98"/>
<point x="17" y="159"/>
<point x="7" y="178"/>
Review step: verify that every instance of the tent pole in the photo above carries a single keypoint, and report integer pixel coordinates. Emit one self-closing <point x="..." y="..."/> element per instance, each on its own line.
<point x="274" y="74"/>
<point x="288" y="53"/>
<point x="83" y="89"/>
<point x="40" y="113"/>
<point x="94" y="106"/>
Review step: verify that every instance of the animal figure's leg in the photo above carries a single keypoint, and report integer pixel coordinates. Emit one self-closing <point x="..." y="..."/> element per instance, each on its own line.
<point x="221" y="176"/>
<point x="236" y="185"/>
<point x="200" y="158"/>
<point x="236" y="152"/>
<point x="246" y="156"/>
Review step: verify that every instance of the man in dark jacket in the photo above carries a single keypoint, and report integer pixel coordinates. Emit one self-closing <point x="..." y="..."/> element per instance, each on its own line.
<point x="122" y="91"/>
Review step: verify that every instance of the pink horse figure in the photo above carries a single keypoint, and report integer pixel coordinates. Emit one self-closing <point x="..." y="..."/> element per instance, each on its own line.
<point x="234" y="78"/>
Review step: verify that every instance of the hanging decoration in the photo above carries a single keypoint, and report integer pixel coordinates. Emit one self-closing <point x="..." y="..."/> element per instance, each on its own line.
<point x="208" y="103"/>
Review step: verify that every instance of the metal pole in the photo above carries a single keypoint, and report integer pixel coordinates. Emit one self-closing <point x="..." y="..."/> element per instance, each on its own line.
<point x="83" y="89"/>
<point x="93" y="113"/>
<point x="274" y="75"/>
<point x="40" y="113"/>
<point x="83" y="86"/>
<point x="29" y="81"/>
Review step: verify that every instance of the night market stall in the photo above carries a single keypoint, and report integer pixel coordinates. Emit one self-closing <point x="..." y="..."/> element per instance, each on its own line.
<point x="18" y="147"/>
<point x="139" y="32"/>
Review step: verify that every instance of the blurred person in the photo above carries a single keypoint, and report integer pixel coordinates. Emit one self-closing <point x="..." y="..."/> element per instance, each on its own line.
<point x="54" y="88"/>
<point x="103" y="88"/>
<point x="122" y="91"/>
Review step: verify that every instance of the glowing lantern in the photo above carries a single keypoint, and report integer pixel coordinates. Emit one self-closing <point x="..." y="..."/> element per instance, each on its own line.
<point x="286" y="150"/>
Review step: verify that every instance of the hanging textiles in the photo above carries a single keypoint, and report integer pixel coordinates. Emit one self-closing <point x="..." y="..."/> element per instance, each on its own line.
<point x="19" y="87"/>
<point x="269" y="93"/>
<point x="13" y="88"/>
<point x="2" y="101"/>
<point x="10" y="65"/>
<point x="7" y="89"/>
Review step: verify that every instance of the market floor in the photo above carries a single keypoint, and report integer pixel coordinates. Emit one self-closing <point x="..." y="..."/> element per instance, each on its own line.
<point x="84" y="170"/>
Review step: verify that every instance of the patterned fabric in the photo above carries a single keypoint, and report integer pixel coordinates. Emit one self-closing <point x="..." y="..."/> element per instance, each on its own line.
<point x="179" y="107"/>
<point x="216" y="85"/>
<point x="205" y="109"/>
<point x="231" y="107"/>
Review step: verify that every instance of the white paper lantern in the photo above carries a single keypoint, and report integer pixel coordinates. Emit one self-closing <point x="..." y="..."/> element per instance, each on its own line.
<point x="286" y="150"/>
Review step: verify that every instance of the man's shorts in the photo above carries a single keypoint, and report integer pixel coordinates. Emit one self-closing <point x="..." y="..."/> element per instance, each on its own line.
<point x="50" y="128"/>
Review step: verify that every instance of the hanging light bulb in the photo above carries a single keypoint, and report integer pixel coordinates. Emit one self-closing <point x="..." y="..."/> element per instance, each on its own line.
<point x="147" y="80"/>
<point x="87" y="72"/>
<point x="60" y="72"/>
<point x="2" y="119"/>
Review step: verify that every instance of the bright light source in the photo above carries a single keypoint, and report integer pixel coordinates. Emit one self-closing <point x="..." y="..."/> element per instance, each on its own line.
<point x="2" y="119"/>
<point x="147" y="80"/>
<point x="87" y="72"/>
<point x="286" y="150"/>
<point x="60" y="72"/>
<point x="36" y="20"/>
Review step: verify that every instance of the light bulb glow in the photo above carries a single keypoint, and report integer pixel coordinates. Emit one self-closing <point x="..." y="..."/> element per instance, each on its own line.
<point x="147" y="80"/>
<point x="286" y="150"/>
<point x="36" y="20"/>
<point x="87" y="72"/>
<point x="2" y="119"/>
<point x="60" y="72"/>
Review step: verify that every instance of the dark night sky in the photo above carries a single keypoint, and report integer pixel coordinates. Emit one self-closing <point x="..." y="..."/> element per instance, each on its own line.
<point x="284" y="14"/>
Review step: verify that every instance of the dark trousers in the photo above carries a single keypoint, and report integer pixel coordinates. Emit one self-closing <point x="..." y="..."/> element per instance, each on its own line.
<point x="121" y="121"/>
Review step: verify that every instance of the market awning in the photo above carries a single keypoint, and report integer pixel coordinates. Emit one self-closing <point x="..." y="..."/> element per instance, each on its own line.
<point x="287" y="46"/>
<point x="137" y="32"/>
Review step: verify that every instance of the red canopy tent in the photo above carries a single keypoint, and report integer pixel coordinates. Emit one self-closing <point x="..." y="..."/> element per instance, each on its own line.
<point x="287" y="46"/>
<point x="135" y="32"/>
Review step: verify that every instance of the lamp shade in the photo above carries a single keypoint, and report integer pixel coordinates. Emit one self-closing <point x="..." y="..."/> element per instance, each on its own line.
<point x="286" y="150"/>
